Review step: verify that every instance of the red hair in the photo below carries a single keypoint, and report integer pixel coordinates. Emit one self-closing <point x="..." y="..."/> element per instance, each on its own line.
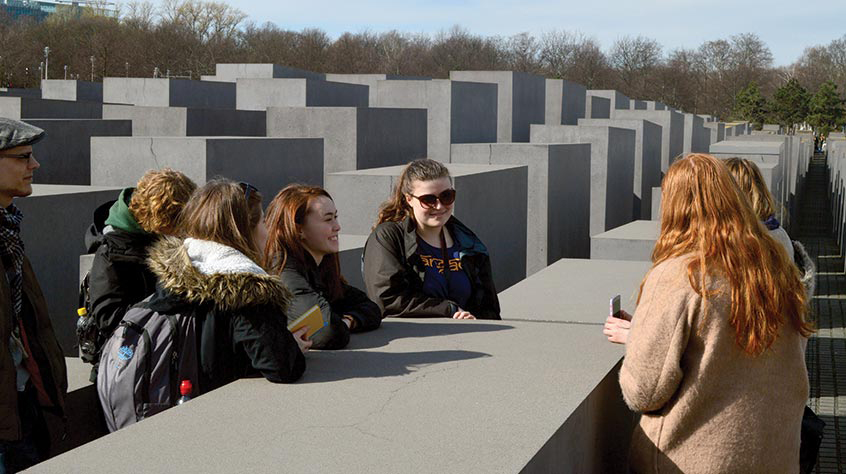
<point x="704" y="213"/>
<point x="285" y="216"/>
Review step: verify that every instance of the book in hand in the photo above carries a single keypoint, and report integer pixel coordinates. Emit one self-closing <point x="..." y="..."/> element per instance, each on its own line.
<point x="313" y="319"/>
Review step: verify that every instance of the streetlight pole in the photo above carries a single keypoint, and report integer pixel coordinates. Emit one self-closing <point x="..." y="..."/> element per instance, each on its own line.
<point x="46" y="61"/>
<point x="127" y="68"/>
<point x="92" y="68"/>
<point x="66" y="71"/>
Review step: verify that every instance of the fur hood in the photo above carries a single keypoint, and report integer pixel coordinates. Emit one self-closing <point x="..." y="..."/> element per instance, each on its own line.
<point x="200" y="271"/>
<point x="806" y="267"/>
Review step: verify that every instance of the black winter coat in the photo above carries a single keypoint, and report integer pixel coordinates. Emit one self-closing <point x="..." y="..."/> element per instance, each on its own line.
<point x="308" y="290"/>
<point x="119" y="278"/>
<point x="240" y="316"/>
<point x="394" y="273"/>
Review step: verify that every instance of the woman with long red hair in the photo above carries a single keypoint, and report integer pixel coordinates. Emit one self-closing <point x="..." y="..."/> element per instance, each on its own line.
<point x="302" y="248"/>
<point x="715" y="359"/>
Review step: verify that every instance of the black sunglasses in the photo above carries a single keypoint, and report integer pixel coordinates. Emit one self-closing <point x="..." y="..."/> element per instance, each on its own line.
<point x="22" y="156"/>
<point x="248" y="189"/>
<point x="429" y="201"/>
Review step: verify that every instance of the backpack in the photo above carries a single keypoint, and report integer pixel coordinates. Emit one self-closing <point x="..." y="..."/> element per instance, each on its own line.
<point x="86" y="327"/>
<point x="143" y="363"/>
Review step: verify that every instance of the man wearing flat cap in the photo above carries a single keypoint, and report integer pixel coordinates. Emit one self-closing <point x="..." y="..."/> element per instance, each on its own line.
<point x="33" y="376"/>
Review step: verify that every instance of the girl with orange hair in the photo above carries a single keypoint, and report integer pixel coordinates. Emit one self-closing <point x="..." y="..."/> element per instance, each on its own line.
<point x="715" y="360"/>
<point x="302" y="248"/>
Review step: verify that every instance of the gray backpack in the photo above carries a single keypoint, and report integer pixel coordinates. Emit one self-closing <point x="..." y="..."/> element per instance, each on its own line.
<point x="143" y="363"/>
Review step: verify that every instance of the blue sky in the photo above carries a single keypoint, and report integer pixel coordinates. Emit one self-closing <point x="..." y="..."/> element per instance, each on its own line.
<point x="786" y="27"/>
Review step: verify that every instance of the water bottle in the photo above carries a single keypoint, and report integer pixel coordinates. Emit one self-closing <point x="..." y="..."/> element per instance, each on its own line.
<point x="185" y="390"/>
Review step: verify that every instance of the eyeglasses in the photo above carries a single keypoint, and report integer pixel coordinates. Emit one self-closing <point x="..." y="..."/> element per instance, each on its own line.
<point x="248" y="189"/>
<point x="428" y="201"/>
<point x="22" y="156"/>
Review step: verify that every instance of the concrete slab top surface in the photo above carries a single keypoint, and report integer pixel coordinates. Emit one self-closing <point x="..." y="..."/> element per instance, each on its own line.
<point x="574" y="291"/>
<point x="54" y="189"/>
<point x="635" y="230"/>
<point x="455" y="169"/>
<point x="414" y="395"/>
<point x="350" y="241"/>
<point x="747" y="147"/>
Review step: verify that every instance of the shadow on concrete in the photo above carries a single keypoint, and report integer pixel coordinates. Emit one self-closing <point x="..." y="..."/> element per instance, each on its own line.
<point x="397" y="328"/>
<point x="360" y="364"/>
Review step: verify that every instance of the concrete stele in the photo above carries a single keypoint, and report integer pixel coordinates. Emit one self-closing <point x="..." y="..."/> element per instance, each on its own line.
<point x="457" y="112"/>
<point x="633" y="241"/>
<point x="611" y="171"/>
<point x="521" y="100"/>
<point x="267" y="163"/>
<point x="553" y="386"/>
<point x="558" y="204"/>
<point x="187" y="122"/>
<point x="259" y="94"/>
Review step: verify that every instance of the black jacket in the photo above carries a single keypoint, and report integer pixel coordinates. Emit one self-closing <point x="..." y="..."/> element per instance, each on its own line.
<point x="119" y="278"/>
<point x="393" y="273"/>
<point x="308" y="290"/>
<point x="241" y="323"/>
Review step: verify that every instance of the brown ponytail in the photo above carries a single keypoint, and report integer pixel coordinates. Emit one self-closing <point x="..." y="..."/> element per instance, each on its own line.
<point x="396" y="208"/>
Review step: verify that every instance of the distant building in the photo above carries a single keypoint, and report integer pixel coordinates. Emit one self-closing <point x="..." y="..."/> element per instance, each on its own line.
<point x="20" y="9"/>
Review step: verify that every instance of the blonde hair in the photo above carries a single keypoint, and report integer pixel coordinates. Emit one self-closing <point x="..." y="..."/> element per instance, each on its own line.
<point x="158" y="199"/>
<point x="748" y="177"/>
<point x="704" y="213"/>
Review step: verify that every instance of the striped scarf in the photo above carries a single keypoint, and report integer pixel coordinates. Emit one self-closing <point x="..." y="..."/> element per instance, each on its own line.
<point x="12" y="254"/>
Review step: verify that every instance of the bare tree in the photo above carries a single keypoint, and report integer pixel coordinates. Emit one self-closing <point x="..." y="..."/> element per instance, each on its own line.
<point x="635" y="60"/>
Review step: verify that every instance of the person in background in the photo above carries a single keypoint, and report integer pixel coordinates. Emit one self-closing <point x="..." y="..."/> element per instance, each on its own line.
<point x="33" y="375"/>
<point x="119" y="276"/>
<point x="302" y="248"/>
<point x="715" y="359"/>
<point x="420" y="261"/>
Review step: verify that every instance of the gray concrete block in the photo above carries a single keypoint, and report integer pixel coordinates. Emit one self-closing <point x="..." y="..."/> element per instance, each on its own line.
<point x="565" y="102"/>
<point x="647" y="164"/>
<point x="585" y="286"/>
<point x="611" y="170"/>
<point x="18" y="92"/>
<point x="655" y="105"/>
<point x="558" y="204"/>
<point x="370" y="80"/>
<point x="62" y="89"/>
<point x="161" y="92"/>
<point x="351" y="248"/>
<point x="65" y="151"/>
<point x="521" y="100"/>
<point x="457" y="112"/>
<point x="267" y="163"/>
<point x="259" y="94"/>
<point x="381" y="405"/>
<point x="231" y="72"/>
<point x="635" y="104"/>
<point x="618" y="100"/>
<point x="189" y="122"/>
<point x="696" y="136"/>
<point x="656" y="203"/>
<point x="355" y="138"/>
<point x="597" y="107"/>
<point x="482" y="190"/>
<point x="22" y="108"/>
<point x="716" y="132"/>
<point x="672" y="125"/>
<point x="770" y="153"/>
<point x="53" y="230"/>
<point x="633" y="241"/>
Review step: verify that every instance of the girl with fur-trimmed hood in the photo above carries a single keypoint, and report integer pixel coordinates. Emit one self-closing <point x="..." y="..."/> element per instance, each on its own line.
<point x="212" y="274"/>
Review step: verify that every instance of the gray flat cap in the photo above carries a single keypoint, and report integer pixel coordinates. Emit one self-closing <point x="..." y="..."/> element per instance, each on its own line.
<point x="16" y="133"/>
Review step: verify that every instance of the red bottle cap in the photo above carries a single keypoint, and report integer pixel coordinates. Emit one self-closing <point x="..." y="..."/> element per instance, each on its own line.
<point x="185" y="387"/>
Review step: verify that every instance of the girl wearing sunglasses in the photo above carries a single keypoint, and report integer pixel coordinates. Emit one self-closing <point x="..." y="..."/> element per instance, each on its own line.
<point x="302" y="248"/>
<point x="420" y="261"/>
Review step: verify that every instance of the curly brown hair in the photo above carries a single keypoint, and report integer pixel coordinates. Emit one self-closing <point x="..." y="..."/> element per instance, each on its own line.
<point x="159" y="198"/>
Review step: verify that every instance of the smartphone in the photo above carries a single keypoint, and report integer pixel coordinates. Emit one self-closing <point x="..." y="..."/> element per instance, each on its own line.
<point x="614" y="305"/>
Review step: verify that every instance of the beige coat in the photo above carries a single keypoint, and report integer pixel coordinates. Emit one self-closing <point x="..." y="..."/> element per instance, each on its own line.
<point x="707" y="406"/>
